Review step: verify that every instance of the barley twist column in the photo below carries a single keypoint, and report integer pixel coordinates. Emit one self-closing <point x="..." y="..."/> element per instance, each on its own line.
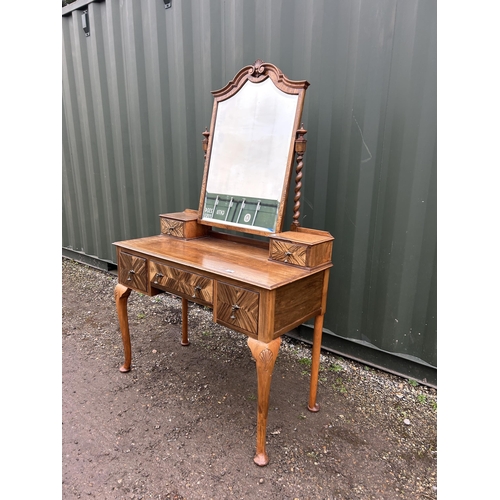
<point x="300" y="149"/>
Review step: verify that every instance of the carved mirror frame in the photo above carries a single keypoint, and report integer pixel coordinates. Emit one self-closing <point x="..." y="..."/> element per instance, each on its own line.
<point x="250" y="149"/>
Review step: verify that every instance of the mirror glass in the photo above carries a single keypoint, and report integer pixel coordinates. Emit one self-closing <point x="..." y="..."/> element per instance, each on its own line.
<point x="252" y="146"/>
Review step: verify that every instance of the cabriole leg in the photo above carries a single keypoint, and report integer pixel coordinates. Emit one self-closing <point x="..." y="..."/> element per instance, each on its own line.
<point x="185" y="339"/>
<point x="265" y="357"/>
<point x="316" y="349"/>
<point x="121" y="296"/>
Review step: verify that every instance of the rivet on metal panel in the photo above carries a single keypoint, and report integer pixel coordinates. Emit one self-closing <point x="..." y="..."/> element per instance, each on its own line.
<point x="168" y="4"/>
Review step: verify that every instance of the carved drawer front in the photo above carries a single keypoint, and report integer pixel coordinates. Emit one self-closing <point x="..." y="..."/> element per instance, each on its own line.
<point x="288" y="252"/>
<point x="237" y="307"/>
<point x="182" y="225"/>
<point x="190" y="285"/>
<point x="132" y="272"/>
<point x="303" y="247"/>
<point x="172" y="227"/>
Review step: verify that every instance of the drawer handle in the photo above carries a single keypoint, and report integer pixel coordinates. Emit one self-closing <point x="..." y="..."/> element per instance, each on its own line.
<point x="156" y="276"/>
<point x="197" y="288"/>
<point x="129" y="273"/>
<point x="234" y="308"/>
<point x="287" y="254"/>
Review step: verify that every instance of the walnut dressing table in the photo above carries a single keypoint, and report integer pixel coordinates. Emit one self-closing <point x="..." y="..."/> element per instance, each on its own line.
<point x="261" y="288"/>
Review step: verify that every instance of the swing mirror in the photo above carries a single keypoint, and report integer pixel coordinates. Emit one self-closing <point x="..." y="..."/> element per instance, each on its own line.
<point x="250" y="150"/>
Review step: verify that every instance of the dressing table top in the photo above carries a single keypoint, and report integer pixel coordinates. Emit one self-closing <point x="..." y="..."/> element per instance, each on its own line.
<point x="223" y="258"/>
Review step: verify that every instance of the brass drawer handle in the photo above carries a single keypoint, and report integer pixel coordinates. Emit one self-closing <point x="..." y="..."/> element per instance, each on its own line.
<point x="197" y="288"/>
<point x="234" y="308"/>
<point x="156" y="276"/>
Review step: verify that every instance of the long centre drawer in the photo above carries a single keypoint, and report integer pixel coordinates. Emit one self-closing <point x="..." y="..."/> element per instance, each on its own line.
<point x="184" y="283"/>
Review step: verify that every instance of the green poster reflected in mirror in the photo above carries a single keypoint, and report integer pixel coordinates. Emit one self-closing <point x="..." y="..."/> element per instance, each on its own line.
<point x="244" y="211"/>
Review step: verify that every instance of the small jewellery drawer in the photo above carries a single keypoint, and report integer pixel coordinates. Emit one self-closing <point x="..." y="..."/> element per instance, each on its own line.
<point x="237" y="307"/>
<point x="303" y="247"/>
<point x="172" y="227"/>
<point x="190" y="285"/>
<point x="132" y="272"/>
<point x="288" y="252"/>
<point x="182" y="225"/>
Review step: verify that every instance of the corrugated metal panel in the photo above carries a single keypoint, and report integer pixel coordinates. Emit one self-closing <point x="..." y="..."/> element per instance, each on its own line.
<point x="136" y="97"/>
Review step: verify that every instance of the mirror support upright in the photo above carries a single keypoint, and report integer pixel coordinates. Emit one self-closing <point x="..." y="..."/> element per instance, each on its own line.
<point x="204" y="142"/>
<point x="300" y="149"/>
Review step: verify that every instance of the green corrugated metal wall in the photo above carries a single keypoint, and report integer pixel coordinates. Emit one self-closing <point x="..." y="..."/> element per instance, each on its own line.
<point x="136" y="97"/>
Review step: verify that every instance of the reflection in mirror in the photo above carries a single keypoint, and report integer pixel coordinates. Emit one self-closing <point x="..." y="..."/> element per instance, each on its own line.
<point x="252" y="146"/>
